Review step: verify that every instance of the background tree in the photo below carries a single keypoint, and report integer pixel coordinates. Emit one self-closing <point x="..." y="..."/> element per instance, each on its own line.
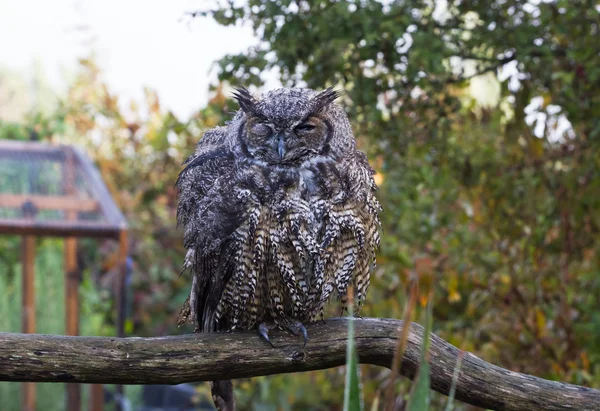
<point x="496" y="197"/>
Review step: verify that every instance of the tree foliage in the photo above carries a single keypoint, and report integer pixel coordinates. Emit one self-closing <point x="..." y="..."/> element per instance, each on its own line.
<point x="492" y="200"/>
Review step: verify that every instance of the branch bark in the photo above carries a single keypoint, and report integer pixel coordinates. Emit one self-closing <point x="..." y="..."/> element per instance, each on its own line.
<point x="203" y="357"/>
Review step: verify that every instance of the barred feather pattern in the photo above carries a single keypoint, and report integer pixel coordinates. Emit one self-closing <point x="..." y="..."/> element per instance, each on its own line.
<point x="289" y="260"/>
<point x="278" y="219"/>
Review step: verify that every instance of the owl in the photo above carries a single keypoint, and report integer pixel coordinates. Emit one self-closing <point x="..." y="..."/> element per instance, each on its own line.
<point x="280" y="215"/>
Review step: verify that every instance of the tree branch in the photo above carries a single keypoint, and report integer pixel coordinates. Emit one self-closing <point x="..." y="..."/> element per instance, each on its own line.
<point x="200" y="357"/>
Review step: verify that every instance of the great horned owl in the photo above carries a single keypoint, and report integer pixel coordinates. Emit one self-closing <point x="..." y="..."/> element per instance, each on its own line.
<point x="280" y="215"/>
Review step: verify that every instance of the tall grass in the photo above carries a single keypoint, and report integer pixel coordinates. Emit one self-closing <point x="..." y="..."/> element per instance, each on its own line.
<point x="50" y="313"/>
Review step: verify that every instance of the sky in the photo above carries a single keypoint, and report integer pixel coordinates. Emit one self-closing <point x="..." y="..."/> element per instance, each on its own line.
<point x="137" y="43"/>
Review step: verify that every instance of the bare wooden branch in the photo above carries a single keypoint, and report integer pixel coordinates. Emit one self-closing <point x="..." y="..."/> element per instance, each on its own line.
<point x="200" y="357"/>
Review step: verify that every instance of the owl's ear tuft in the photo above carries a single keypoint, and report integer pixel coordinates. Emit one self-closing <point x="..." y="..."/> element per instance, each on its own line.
<point x="246" y="100"/>
<point x="323" y="99"/>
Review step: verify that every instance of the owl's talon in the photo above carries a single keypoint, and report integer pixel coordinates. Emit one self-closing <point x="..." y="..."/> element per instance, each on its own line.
<point x="298" y="328"/>
<point x="304" y="334"/>
<point x="263" y="332"/>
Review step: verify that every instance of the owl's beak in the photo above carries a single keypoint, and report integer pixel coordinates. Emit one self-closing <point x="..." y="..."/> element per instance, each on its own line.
<point x="280" y="145"/>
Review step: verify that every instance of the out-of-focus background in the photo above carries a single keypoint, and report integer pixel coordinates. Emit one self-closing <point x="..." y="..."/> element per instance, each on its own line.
<point x="481" y="119"/>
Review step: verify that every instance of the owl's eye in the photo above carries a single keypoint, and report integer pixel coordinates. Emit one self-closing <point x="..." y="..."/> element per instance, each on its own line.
<point x="261" y="130"/>
<point x="305" y="128"/>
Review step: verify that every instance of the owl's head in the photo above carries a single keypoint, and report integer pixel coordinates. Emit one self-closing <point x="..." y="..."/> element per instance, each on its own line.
<point x="287" y="126"/>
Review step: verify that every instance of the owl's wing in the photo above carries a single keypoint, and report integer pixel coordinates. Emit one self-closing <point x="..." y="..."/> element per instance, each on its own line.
<point x="209" y="215"/>
<point x="201" y="172"/>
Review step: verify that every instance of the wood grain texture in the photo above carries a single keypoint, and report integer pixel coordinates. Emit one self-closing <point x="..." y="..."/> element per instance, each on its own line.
<point x="203" y="357"/>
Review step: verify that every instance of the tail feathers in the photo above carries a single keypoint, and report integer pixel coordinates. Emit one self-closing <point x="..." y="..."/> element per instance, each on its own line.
<point x="208" y="283"/>
<point x="222" y="394"/>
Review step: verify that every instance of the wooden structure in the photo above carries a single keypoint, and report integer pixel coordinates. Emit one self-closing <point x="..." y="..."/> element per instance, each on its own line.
<point x="48" y="190"/>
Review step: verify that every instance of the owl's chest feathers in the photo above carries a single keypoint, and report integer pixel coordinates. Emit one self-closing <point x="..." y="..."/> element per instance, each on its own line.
<point x="304" y="235"/>
<point x="270" y="184"/>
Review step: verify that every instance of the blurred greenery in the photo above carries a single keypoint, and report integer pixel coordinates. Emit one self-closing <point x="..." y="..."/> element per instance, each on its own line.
<point x="481" y="119"/>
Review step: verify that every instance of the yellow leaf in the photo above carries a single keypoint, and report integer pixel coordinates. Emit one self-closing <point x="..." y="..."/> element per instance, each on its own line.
<point x="378" y="178"/>
<point x="128" y="326"/>
<point x="540" y="319"/>
<point x="547" y="101"/>
<point x="537" y="147"/>
<point x="585" y="361"/>
<point x="453" y="294"/>
<point x="424" y="269"/>
<point x="556" y="368"/>
<point x="454" y="297"/>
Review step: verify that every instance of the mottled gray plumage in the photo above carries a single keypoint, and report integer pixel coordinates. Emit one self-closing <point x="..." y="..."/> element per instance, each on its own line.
<point x="280" y="215"/>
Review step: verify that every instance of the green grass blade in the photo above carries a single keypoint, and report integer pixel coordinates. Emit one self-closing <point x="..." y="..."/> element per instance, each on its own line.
<point x="450" y="403"/>
<point x="420" y="396"/>
<point x="352" y="391"/>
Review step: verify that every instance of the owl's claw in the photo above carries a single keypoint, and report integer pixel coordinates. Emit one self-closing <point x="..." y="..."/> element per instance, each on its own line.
<point x="295" y="327"/>
<point x="263" y="331"/>
<point x="298" y="328"/>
